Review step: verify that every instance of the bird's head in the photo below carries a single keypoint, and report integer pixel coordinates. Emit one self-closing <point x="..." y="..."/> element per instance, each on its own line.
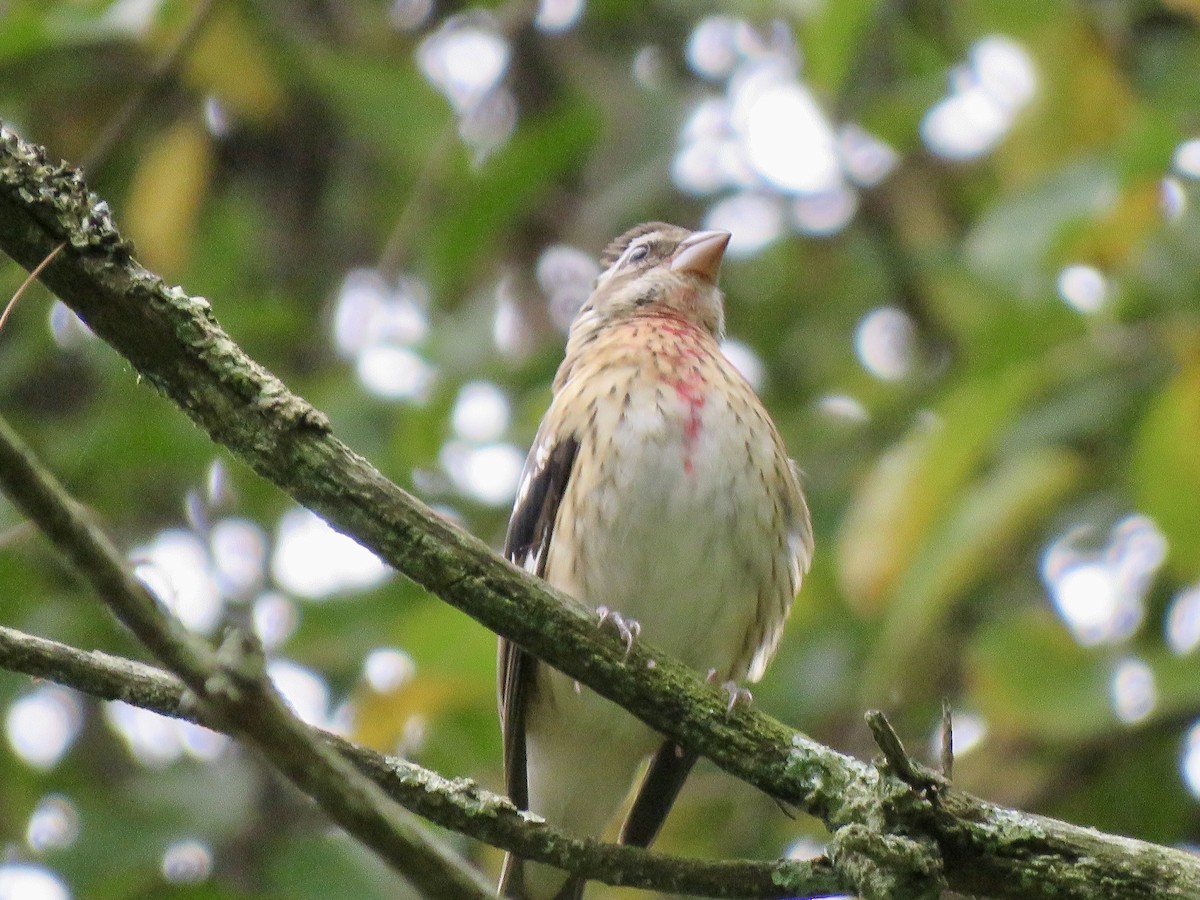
<point x="659" y="269"/>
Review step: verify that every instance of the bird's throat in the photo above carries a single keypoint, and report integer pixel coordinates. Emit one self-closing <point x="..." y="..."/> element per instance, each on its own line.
<point x="682" y="352"/>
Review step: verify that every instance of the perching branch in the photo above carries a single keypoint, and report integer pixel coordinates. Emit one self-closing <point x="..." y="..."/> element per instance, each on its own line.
<point x="174" y="342"/>
<point x="458" y="804"/>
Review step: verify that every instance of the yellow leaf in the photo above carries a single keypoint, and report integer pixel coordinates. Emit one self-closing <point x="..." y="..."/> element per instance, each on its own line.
<point x="229" y="63"/>
<point x="382" y="720"/>
<point x="166" y="194"/>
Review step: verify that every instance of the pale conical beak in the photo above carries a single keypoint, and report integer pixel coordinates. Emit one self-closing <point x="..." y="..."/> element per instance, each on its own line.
<point x="701" y="254"/>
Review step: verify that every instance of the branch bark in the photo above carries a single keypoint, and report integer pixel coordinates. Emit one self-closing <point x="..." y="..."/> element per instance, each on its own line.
<point x="458" y="804"/>
<point x="174" y="342"/>
<point x="233" y="686"/>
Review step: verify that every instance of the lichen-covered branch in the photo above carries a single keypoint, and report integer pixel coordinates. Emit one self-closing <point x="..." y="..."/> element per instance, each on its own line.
<point x="174" y="342"/>
<point x="458" y="804"/>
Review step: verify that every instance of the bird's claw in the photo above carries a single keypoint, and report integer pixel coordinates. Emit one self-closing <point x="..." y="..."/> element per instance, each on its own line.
<point x="738" y="695"/>
<point x="628" y="629"/>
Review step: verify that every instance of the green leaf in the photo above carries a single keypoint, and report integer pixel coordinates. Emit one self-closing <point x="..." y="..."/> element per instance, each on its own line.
<point x="1165" y="469"/>
<point x="914" y="483"/>
<point x="995" y="517"/>
<point x="1011" y="242"/>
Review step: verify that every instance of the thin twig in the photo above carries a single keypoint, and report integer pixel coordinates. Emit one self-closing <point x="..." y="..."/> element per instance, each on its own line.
<point x="904" y="766"/>
<point x="392" y="259"/>
<point x="155" y="83"/>
<point x="30" y="279"/>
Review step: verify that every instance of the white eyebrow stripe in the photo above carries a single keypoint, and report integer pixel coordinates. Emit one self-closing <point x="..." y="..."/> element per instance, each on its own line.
<point x="641" y="240"/>
<point x="644" y="240"/>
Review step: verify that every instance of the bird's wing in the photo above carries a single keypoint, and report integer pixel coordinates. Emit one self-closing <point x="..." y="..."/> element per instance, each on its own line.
<point x="667" y="772"/>
<point x="530" y="530"/>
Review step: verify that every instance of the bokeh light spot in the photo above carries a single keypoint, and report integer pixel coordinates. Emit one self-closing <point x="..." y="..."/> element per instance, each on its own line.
<point x="464" y="59"/>
<point x="275" y="619"/>
<point x="68" y="330"/>
<point x="387" y="669"/>
<point x="866" y="159"/>
<point x="369" y="312"/>
<point x="1133" y="690"/>
<point x="488" y="124"/>
<point x="1186" y="158"/>
<point x="175" y="566"/>
<point x="1083" y="287"/>
<point x="825" y="213"/>
<point x="239" y="555"/>
<point x="754" y="218"/>
<point x="884" y="341"/>
<point x="487" y="474"/>
<point x="843" y="407"/>
<point x="745" y="360"/>
<point x="968" y="731"/>
<point x="480" y="412"/>
<point x="216" y="117"/>
<point x="187" y="862"/>
<point x="24" y="881"/>
<point x="1190" y="763"/>
<point x="789" y="141"/>
<point x="313" y="561"/>
<point x="305" y="691"/>
<point x="151" y="739"/>
<point x="1183" y="621"/>
<point x="712" y="49"/>
<point x="42" y="724"/>
<point x="53" y="825"/>
<point x="1099" y="593"/>
<point x="650" y="67"/>
<point x="985" y="96"/>
<point x="1172" y="199"/>
<point x="566" y="275"/>
<point x="408" y="15"/>
<point x="557" y="16"/>
<point x="396" y="373"/>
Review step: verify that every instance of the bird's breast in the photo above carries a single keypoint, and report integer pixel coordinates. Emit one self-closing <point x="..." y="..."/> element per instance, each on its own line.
<point x="671" y="519"/>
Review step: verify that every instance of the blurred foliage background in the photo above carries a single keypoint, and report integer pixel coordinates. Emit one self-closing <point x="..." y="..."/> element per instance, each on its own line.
<point x="964" y="277"/>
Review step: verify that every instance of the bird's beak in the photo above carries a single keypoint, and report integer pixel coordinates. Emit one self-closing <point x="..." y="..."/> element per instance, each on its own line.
<point x="701" y="254"/>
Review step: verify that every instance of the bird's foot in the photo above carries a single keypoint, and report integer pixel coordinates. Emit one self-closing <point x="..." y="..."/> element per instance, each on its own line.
<point x="738" y="695"/>
<point x="628" y="629"/>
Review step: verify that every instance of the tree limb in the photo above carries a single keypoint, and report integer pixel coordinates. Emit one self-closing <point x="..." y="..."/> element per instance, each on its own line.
<point x="458" y="804"/>
<point x="232" y="683"/>
<point x="174" y="342"/>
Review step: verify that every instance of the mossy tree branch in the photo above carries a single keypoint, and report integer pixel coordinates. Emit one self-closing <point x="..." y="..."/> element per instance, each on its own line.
<point x="458" y="804"/>
<point x="174" y="342"/>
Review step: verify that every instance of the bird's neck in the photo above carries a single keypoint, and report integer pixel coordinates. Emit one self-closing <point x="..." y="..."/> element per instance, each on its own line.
<point x="673" y="336"/>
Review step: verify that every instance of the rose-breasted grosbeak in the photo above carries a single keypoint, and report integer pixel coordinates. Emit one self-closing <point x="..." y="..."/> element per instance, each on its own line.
<point x="659" y="490"/>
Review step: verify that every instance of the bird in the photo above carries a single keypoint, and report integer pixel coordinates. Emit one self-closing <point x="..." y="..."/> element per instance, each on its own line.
<point x="657" y="492"/>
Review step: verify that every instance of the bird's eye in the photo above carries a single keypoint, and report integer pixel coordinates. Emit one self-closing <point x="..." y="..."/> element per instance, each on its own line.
<point x="637" y="254"/>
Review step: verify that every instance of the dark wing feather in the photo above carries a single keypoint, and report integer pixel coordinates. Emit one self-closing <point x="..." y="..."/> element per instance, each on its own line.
<point x="530" y="530"/>
<point x="667" y="772"/>
<point x="543" y="483"/>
